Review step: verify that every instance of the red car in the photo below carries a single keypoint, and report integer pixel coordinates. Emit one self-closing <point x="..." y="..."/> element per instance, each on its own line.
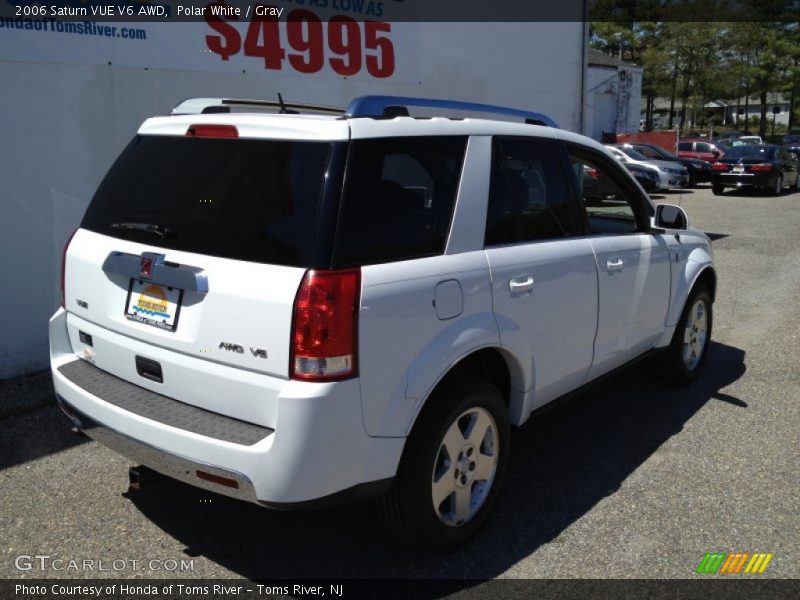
<point x="699" y="148"/>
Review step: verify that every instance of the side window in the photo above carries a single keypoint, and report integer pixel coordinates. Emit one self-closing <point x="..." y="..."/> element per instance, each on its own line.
<point x="407" y="172"/>
<point x="399" y="198"/>
<point x="685" y="146"/>
<point x="528" y="195"/>
<point x="703" y="147"/>
<point x="609" y="209"/>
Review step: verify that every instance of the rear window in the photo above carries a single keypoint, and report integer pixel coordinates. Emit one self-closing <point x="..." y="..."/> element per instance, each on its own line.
<point x="760" y="152"/>
<point x="398" y="199"/>
<point x="253" y="200"/>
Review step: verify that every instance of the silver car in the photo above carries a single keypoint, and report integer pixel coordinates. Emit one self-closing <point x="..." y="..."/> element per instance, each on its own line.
<point x="670" y="174"/>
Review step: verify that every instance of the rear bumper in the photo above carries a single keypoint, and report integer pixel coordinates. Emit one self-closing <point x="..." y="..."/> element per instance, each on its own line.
<point x="744" y="179"/>
<point x="172" y="465"/>
<point x="318" y="448"/>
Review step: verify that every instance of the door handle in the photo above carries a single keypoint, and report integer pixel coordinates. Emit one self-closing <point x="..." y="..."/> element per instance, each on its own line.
<point x="520" y="285"/>
<point x="615" y="265"/>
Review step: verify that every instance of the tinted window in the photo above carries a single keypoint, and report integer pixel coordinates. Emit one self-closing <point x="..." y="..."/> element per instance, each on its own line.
<point x="609" y="208"/>
<point x="398" y="199"/>
<point x="703" y="147"/>
<point x="253" y="200"/>
<point x="528" y="197"/>
<point x="685" y="146"/>
<point x="745" y="151"/>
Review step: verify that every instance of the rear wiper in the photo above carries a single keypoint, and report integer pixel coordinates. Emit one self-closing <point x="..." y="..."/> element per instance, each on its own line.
<point x="146" y="227"/>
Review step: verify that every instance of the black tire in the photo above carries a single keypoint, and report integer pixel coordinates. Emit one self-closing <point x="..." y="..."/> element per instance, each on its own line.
<point x="777" y="189"/>
<point x="675" y="366"/>
<point x="717" y="189"/>
<point x="407" y="510"/>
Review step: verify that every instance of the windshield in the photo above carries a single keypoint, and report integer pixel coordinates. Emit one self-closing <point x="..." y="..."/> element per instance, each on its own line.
<point x="665" y="154"/>
<point x="760" y="152"/>
<point x="792" y="139"/>
<point x="634" y="154"/>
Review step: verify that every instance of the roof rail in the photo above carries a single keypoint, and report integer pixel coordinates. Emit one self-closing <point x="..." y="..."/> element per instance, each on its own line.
<point x="383" y="106"/>
<point x="195" y="106"/>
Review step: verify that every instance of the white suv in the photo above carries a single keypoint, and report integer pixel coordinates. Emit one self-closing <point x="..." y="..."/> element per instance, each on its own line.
<point x="298" y="309"/>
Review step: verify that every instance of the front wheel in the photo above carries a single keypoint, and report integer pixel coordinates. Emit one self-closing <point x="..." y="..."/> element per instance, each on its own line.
<point x="688" y="350"/>
<point x="717" y="189"/>
<point x="452" y="467"/>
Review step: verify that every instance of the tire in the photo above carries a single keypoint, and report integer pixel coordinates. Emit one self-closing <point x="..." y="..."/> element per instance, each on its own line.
<point x="687" y="353"/>
<point x="797" y="183"/>
<point x="778" y="187"/>
<point x="717" y="189"/>
<point x="428" y="467"/>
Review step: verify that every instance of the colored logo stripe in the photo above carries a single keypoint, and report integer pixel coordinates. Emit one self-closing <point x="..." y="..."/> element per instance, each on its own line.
<point x="734" y="563"/>
<point x="758" y="563"/>
<point x="711" y="562"/>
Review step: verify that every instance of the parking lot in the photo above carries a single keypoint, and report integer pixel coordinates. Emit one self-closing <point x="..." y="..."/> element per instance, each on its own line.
<point x="629" y="479"/>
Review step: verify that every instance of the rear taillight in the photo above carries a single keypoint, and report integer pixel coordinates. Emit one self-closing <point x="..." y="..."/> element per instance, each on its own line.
<point x="326" y="326"/>
<point x="719" y="166"/>
<point x="212" y="131"/>
<point x="64" y="267"/>
<point x="760" y="168"/>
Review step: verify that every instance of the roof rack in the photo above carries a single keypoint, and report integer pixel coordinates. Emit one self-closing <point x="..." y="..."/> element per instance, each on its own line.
<point x="195" y="106"/>
<point x="393" y="106"/>
<point x="378" y="107"/>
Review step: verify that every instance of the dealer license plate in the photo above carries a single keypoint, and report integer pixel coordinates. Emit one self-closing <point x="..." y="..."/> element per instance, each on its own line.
<point x="153" y="304"/>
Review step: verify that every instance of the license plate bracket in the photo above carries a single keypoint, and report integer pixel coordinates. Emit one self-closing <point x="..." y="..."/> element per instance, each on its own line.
<point x="153" y="304"/>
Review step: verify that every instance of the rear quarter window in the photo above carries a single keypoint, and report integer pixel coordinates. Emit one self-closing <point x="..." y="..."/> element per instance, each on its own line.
<point x="245" y="199"/>
<point x="398" y="198"/>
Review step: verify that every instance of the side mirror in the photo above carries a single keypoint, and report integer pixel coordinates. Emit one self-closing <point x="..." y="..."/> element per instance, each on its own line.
<point x="669" y="216"/>
<point x="716" y="153"/>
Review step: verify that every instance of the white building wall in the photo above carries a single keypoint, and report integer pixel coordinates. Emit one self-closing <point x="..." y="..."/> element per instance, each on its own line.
<point x="69" y="104"/>
<point x="613" y="98"/>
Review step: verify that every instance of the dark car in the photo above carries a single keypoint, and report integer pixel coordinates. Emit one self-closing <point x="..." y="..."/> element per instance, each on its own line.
<point x="792" y="143"/>
<point x="699" y="148"/>
<point x="764" y="166"/>
<point x="699" y="170"/>
<point x="648" y="179"/>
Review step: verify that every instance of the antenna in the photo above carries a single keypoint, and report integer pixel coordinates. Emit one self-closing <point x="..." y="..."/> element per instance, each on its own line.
<point x="284" y="110"/>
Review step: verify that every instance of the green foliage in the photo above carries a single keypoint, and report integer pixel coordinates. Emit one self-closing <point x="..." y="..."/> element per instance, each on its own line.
<point x="695" y="62"/>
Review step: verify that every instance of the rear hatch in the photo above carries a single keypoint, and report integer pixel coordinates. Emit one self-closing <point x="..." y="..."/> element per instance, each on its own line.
<point x="197" y="245"/>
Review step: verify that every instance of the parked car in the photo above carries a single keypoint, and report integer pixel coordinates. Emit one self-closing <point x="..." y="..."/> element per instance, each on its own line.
<point x="647" y="178"/>
<point x="792" y="143"/>
<point x="670" y="174"/>
<point x="699" y="170"/>
<point x="699" y="148"/>
<point x="297" y="311"/>
<point x="729" y="136"/>
<point x="753" y="140"/>
<point x="764" y="166"/>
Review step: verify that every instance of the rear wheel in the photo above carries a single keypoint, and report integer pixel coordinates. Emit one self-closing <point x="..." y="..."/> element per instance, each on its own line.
<point x="717" y="189"/>
<point x="778" y="187"/>
<point x="452" y="467"/>
<point x="687" y="352"/>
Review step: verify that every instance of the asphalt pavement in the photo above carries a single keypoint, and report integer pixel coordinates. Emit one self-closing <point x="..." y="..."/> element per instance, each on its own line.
<point x="631" y="479"/>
